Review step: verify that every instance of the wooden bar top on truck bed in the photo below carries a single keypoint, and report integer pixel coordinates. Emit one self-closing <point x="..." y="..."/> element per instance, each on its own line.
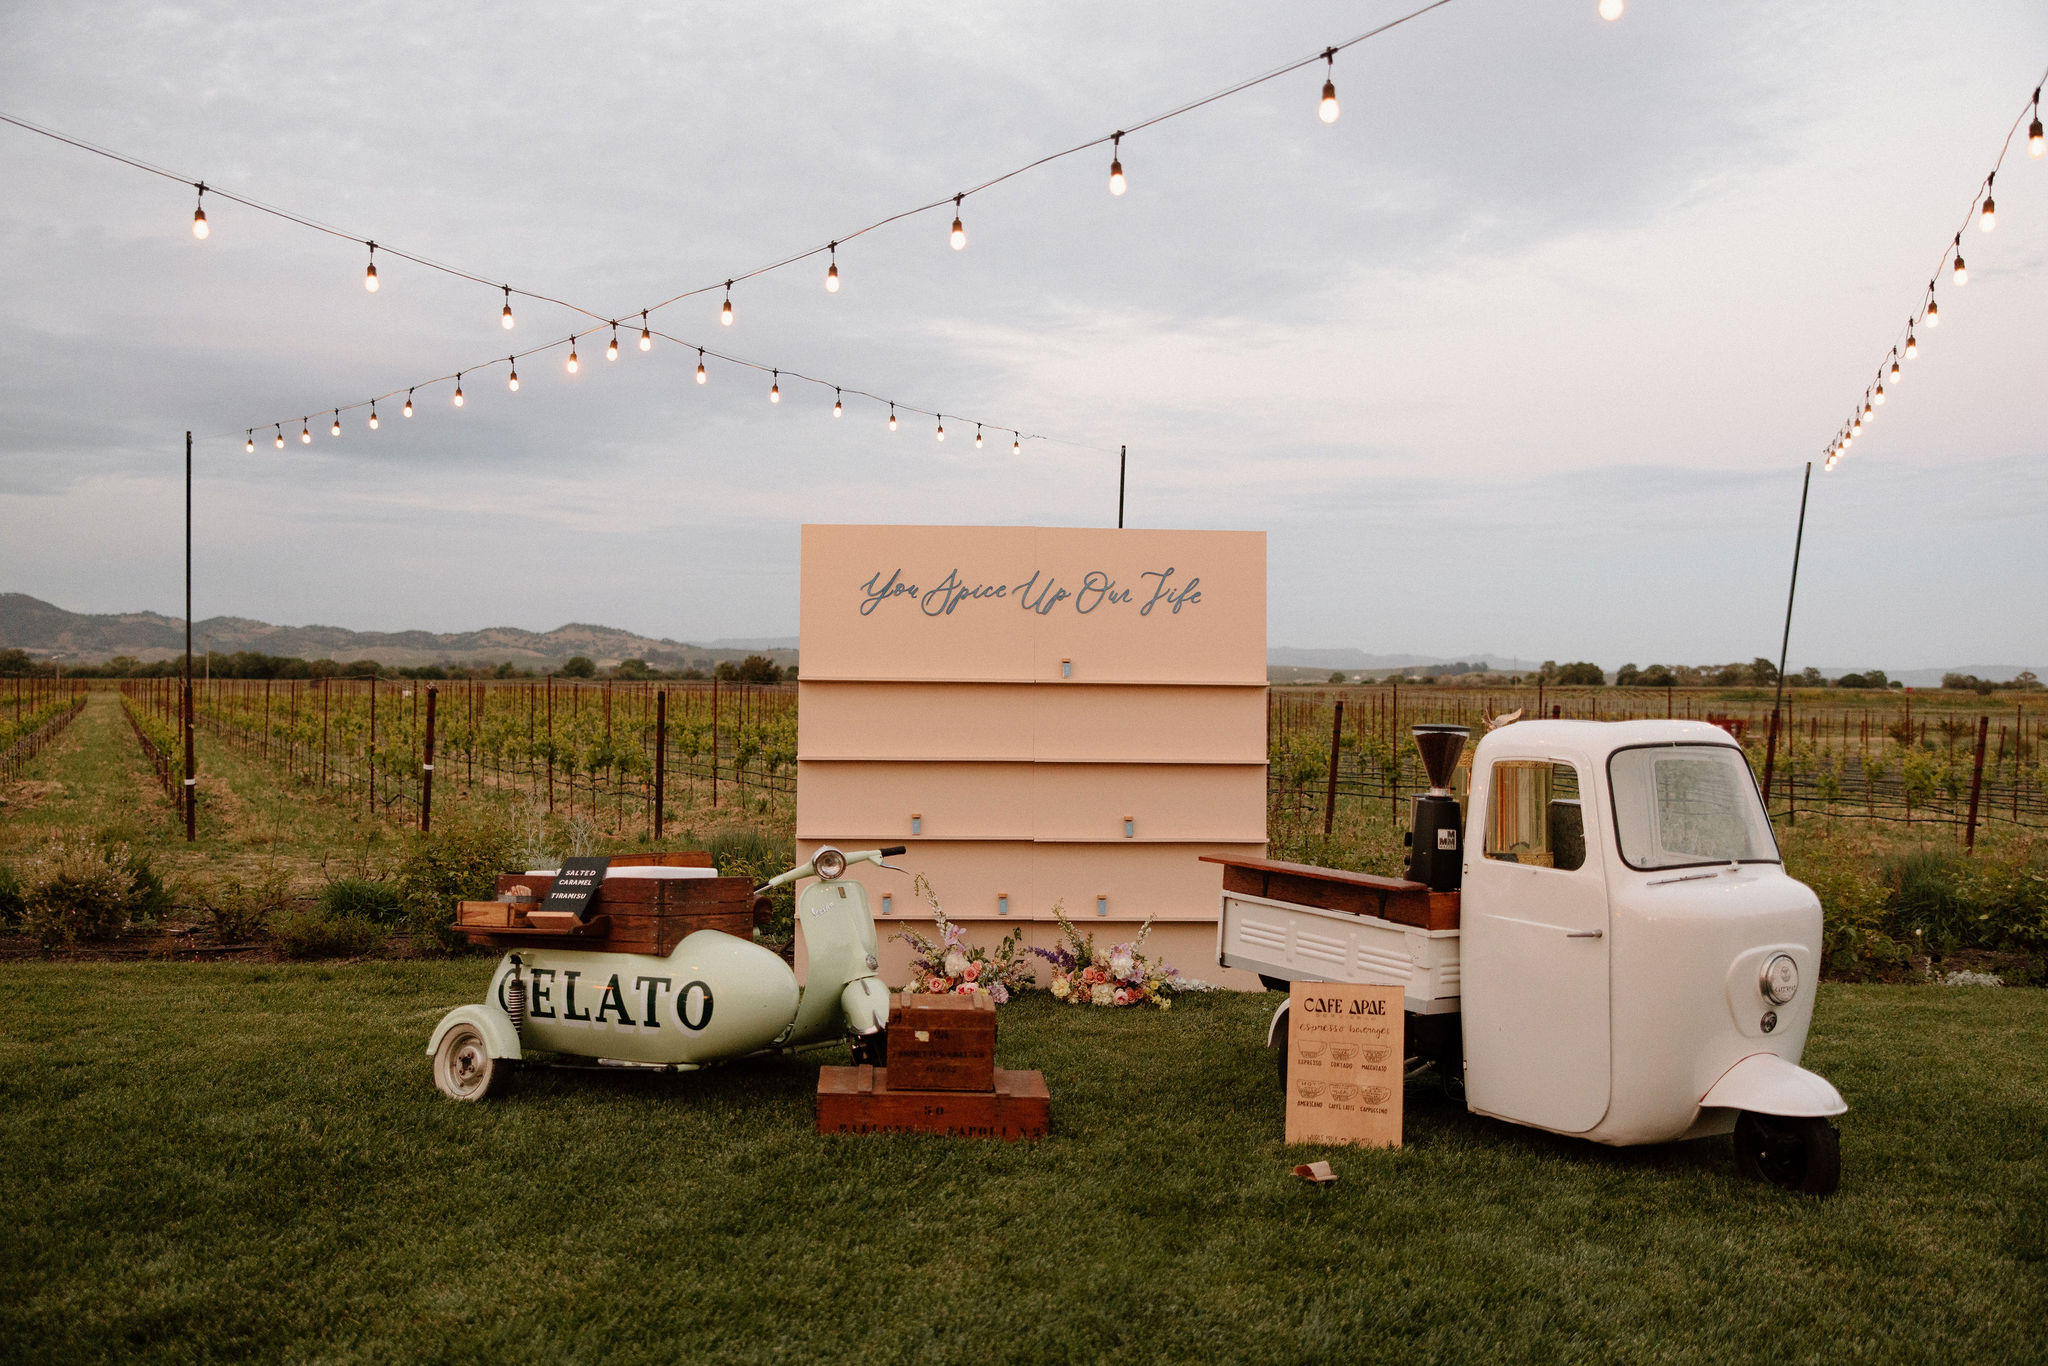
<point x="1331" y="889"/>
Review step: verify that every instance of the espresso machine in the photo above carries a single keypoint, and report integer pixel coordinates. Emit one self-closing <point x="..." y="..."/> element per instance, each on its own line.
<point x="1436" y="851"/>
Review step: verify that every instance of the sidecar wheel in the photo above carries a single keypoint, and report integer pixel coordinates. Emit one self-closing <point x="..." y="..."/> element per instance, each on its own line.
<point x="871" y="1050"/>
<point x="463" y="1066"/>
<point x="1803" y="1155"/>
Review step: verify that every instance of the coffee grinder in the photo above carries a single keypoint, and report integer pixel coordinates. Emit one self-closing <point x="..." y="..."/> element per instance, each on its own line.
<point x="1436" y="855"/>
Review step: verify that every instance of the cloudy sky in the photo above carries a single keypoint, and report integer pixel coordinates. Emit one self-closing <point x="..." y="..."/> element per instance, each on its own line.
<point x="1523" y="354"/>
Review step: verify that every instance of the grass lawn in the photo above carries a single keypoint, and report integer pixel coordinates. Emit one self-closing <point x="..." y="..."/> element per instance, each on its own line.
<point x="207" y="1162"/>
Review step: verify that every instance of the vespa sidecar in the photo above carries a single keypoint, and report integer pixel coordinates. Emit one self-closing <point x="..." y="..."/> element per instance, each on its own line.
<point x="714" y="997"/>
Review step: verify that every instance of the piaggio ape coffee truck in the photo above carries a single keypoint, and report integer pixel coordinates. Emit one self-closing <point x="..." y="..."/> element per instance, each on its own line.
<point x="649" y="961"/>
<point x="1610" y="949"/>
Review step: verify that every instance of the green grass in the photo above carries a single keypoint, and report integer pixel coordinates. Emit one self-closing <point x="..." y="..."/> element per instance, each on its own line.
<point x="223" y="1161"/>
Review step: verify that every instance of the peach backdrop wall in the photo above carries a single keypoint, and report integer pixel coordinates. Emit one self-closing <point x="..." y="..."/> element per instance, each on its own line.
<point x="1043" y="715"/>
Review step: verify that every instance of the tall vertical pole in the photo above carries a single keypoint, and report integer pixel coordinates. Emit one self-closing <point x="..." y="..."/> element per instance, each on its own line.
<point x="714" y="739"/>
<point x="1976" y="784"/>
<point x="1336" y="752"/>
<point x="1121" y="453"/>
<point x="660" y="756"/>
<point x="427" y="771"/>
<point x="1785" y="643"/>
<point x="191" y="768"/>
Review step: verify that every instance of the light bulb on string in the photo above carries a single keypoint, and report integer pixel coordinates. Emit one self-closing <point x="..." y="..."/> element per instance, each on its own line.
<point x="725" y="314"/>
<point x="505" y="318"/>
<point x="279" y="443"/>
<point x="1610" y="10"/>
<point x="611" y="350"/>
<point x="1016" y="444"/>
<point x="1912" y="344"/>
<point x="370" y="275"/>
<point x="838" y="408"/>
<point x="458" y="390"/>
<point x="892" y="417"/>
<point x="199" y="228"/>
<point x="2035" y="143"/>
<point x="408" y="403"/>
<point x="958" y="237"/>
<point x="702" y="376"/>
<point x="250" y="444"/>
<point x="1326" y="110"/>
<point x="1878" y="396"/>
<point x="1896" y="373"/>
<point x="646" y="336"/>
<point x="775" y="387"/>
<point x="1116" y="165"/>
<point x="373" y="415"/>
<point x="574" y="364"/>
<point x="1869" y="413"/>
<point x="832" y="270"/>
<point x="305" y="431"/>
<point x="1961" y="273"/>
<point x="512" y="382"/>
<point x="1932" y="315"/>
<point x="335" y="430"/>
<point x="942" y="426"/>
<point x="977" y="436"/>
<point x="1987" y="217"/>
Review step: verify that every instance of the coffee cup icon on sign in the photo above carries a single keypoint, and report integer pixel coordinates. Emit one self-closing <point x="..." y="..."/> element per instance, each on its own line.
<point x="1311" y="1090"/>
<point x="1374" y="1056"/>
<point x="1376" y="1095"/>
<point x="1344" y="1093"/>
<point x="1312" y="1052"/>
<point x="1342" y="1054"/>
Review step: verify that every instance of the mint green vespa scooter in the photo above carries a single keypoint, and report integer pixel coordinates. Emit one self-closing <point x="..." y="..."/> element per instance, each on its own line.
<point x="713" y="998"/>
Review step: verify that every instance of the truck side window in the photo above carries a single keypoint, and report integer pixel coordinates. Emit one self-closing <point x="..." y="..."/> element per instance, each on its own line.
<point x="1533" y="815"/>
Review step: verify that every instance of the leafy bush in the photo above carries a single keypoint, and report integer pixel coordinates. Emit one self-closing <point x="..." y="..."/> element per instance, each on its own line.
<point x="356" y="898"/>
<point x="321" y="934"/>
<point x="149" y="899"/>
<point x="77" y="890"/>
<point x="10" y="898"/>
<point x="238" y="910"/>
<point x="459" y="863"/>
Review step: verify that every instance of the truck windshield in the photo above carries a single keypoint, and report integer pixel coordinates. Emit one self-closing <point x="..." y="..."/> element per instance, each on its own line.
<point x="1680" y="805"/>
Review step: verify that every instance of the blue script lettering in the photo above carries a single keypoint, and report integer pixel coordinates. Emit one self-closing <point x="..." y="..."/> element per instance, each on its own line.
<point x="1163" y="591"/>
<point x="1047" y="597"/>
<point x="951" y="593"/>
<point x="894" y="588"/>
<point x="1097" y="589"/>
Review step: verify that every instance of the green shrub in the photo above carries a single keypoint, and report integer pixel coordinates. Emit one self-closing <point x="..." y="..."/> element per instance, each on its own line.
<point x="239" y="910"/>
<point x="10" y="898"/>
<point x="319" y="934"/>
<point x="149" y="899"/>
<point x="1926" y="901"/>
<point x="357" y="898"/>
<point x="459" y="863"/>
<point x="77" y="890"/>
<point x="745" y="852"/>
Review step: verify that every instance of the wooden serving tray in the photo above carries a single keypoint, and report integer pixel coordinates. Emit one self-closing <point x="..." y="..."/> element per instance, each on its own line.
<point x="1329" y="889"/>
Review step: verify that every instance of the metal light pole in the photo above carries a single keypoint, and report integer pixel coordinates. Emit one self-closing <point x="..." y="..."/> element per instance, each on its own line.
<point x="191" y="770"/>
<point x="1121" y="453"/>
<point x="1785" y="643"/>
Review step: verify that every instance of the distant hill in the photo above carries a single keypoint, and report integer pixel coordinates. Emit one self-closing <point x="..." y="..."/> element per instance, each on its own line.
<point x="44" y="629"/>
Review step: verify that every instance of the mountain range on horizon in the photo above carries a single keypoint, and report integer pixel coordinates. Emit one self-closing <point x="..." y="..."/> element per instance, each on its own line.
<point x="46" y="630"/>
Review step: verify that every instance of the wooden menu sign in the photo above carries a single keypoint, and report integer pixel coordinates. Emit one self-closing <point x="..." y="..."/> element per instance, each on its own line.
<point x="575" y="887"/>
<point x="1345" y="1064"/>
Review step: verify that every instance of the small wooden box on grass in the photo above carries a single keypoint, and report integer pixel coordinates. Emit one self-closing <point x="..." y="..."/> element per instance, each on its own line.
<point x="943" y="1043"/>
<point x="860" y="1100"/>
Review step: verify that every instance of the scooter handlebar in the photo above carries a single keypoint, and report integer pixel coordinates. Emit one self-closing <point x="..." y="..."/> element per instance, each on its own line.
<point x="874" y="856"/>
<point x="893" y="850"/>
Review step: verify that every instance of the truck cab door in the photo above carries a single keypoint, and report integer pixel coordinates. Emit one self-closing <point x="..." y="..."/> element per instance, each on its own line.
<point x="1534" y="949"/>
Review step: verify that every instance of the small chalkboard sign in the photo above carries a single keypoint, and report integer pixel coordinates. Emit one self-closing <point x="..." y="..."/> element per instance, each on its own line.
<point x="576" y="886"/>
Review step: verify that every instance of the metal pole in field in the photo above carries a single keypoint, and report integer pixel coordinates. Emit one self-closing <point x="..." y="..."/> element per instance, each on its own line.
<point x="427" y="771"/>
<point x="660" y="755"/>
<point x="1121" y="452"/>
<point x="1976" y="784"/>
<point x="1785" y="643"/>
<point x="191" y="768"/>
<point x="714" y="739"/>
<point x="1336" y="743"/>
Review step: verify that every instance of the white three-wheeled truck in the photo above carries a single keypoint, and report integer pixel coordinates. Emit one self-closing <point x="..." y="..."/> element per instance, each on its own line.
<point x="1610" y="948"/>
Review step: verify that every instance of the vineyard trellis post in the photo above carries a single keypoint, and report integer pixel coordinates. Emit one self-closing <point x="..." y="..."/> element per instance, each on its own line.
<point x="427" y="771"/>
<point x="1336" y="752"/>
<point x="1976" y="785"/>
<point x="660" y="755"/>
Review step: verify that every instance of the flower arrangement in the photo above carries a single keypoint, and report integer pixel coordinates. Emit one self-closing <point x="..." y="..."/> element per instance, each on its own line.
<point x="948" y="966"/>
<point x="1085" y="975"/>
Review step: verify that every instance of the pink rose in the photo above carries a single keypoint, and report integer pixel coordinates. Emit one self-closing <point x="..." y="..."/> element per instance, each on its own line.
<point x="964" y="989"/>
<point x="939" y="985"/>
<point x="973" y="973"/>
<point x="1122" y="997"/>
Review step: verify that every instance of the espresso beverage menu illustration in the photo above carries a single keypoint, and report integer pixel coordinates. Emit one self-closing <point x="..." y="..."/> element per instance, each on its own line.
<point x="1345" y="1064"/>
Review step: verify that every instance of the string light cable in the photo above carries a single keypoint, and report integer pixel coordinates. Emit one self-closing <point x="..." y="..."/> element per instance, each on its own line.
<point x="1926" y="314"/>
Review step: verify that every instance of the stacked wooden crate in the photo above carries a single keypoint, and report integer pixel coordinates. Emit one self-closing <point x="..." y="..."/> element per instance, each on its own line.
<point x="941" y="1079"/>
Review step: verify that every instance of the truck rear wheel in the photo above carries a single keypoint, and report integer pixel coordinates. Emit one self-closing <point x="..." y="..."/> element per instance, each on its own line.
<point x="1794" y="1154"/>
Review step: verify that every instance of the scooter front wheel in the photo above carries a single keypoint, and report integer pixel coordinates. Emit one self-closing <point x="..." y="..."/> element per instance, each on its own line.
<point x="463" y="1066"/>
<point x="1794" y="1154"/>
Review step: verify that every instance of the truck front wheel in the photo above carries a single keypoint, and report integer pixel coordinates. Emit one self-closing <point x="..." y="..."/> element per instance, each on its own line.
<point x="1794" y="1154"/>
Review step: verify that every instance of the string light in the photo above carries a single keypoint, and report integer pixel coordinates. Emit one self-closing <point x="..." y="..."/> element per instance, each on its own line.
<point x="279" y="443"/>
<point x="574" y="364"/>
<point x="408" y="403"/>
<point x="942" y="426"/>
<point x="611" y="352"/>
<point x="306" y="431"/>
<point x="1610" y="10"/>
<point x="505" y="318"/>
<point x="335" y="430"/>
<point x="1327" y="110"/>
<point x="1897" y="373"/>
<point x="832" y="270"/>
<point x="892" y="417"/>
<point x="373" y="414"/>
<point x="775" y="388"/>
<point x="1016" y="443"/>
<point x="838" y="408"/>
<point x="2035" y="144"/>
<point x="702" y="376"/>
<point x="458" y="388"/>
<point x="1988" y="219"/>
<point x="1932" y="317"/>
<point x="1116" y="165"/>
<point x="199" y="228"/>
<point x="1962" y="272"/>
<point x="1878" y="397"/>
<point x="959" y="234"/>
<point x="977" y="436"/>
<point x="646" y="337"/>
<point x="725" y="314"/>
<point x="250" y="444"/>
<point x="370" y="275"/>
<point x="512" y="383"/>
<point x="1912" y="345"/>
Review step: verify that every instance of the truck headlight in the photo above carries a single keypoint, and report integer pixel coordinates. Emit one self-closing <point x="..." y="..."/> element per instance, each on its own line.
<point x="1780" y="980"/>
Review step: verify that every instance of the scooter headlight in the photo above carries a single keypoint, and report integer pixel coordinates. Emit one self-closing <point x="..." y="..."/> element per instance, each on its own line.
<point x="1780" y="980"/>
<point x="828" y="863"/>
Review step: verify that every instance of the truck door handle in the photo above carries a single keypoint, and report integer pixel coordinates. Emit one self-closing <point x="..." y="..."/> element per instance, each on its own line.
<point x="1584" y="934"/>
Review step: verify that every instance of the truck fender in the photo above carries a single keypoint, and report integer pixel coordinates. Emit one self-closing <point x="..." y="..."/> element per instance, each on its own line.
<point x="1766" y="1084"/>
<point x="499" y="1036"/>
<point x="1277" y="1030"/>
<point x="865" y="1003"/>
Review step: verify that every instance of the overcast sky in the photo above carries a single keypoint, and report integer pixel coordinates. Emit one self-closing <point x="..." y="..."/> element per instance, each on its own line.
<point x="1523" y="354"/>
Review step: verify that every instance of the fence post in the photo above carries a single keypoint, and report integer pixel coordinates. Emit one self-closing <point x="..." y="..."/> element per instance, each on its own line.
<point x="1976" y="784"/>
<point x="660" y="755"/>
<point x="1770" y="760"/>
<point x="427" y="770"/>
<point x="1336" y="741"/>
<point x="714" y="740"/>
